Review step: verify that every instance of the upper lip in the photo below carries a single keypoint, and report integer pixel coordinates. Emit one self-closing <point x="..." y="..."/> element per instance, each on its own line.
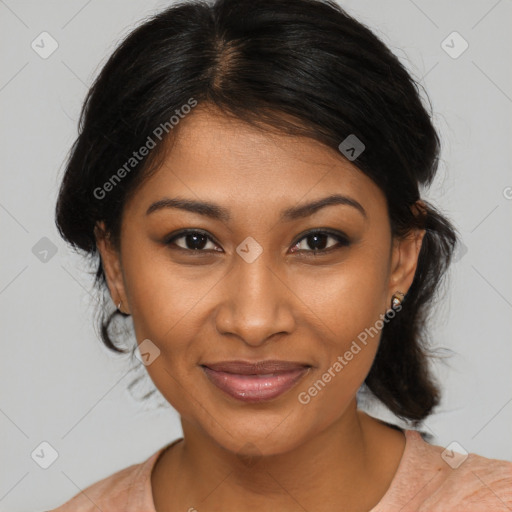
<point x="257" y="368"/>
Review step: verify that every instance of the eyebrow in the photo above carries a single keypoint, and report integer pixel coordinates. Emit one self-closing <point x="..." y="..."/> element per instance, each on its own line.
<point x="217" y="212"/>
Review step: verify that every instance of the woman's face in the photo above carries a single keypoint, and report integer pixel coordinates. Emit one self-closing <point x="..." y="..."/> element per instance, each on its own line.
<point x="253" y="288"/>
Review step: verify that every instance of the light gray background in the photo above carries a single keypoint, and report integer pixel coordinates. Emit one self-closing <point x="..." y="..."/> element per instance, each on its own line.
<point x="58" y="383"/>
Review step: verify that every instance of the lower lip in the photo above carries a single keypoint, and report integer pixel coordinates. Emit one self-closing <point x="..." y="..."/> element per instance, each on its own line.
<point x="255" y="388"/>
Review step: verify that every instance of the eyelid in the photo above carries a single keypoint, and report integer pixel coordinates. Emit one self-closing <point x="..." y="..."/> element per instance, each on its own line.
<point x="187" y="231"/>
<point x="169" y="239"/>
<point x="342" y="239"/>
<point x="322" y="231"/>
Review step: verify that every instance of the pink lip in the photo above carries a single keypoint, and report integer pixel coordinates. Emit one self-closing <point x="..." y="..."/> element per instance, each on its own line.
<point x="255" y="382"/>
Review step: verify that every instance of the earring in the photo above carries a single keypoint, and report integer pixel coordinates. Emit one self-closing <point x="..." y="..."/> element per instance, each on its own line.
<point x="119" y="306"/>
<point x="397" y="299"/>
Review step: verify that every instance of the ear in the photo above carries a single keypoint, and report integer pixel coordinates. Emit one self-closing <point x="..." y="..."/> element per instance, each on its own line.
<point x="404" y="258"/>
<point x="111" y="262"/>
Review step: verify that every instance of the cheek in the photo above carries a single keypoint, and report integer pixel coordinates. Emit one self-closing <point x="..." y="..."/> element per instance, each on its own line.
<point x="167" y="304"/>
<point x="348" y="343"/>
<point x="163" y="297"/>
<point x="348" y="297"/>
<point x="349" y="302"/>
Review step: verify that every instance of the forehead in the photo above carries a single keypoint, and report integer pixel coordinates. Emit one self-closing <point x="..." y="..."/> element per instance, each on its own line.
<point x="230" y="162"/>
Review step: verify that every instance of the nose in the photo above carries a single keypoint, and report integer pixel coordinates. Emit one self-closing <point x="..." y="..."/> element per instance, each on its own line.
<point x="257" y="303"/>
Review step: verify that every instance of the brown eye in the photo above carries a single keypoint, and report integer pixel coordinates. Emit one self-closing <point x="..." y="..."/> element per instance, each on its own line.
<point x="320" y="242"/>
<point x="192" y="241"/>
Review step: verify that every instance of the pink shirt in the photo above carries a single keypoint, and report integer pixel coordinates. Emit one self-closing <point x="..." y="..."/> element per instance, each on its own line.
<point x="423" y="482"/>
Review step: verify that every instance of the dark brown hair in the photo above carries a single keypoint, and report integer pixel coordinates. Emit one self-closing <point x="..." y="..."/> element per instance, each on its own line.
<point x="303" y="67"/>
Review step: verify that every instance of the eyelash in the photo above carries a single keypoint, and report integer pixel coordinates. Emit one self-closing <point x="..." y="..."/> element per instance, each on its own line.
<point x="342" y="240"/>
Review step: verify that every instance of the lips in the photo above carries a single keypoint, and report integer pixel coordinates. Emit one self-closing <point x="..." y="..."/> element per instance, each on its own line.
<point x="255" y="382"/>
<point x="258" y="368"/>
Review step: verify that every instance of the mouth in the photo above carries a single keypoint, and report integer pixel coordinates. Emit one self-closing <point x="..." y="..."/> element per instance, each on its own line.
<point x="255" y="382"/>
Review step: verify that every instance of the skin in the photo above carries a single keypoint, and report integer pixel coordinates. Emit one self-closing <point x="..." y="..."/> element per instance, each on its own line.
<point x="214" y="306"/>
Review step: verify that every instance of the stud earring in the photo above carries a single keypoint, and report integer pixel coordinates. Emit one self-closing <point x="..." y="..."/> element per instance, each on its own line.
<point x="397" y="299"/>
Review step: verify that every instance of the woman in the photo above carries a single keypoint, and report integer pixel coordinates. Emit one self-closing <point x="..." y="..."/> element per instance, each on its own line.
<point x="249" y="173"/>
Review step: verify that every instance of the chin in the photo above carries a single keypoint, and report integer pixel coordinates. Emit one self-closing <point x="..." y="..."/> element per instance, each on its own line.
<point x="251" y="432"/>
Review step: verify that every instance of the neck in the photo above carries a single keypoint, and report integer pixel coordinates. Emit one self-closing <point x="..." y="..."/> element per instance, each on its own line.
<point x="343" y="467"/>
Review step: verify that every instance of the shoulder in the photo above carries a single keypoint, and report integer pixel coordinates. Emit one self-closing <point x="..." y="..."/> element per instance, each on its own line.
<point x="478" y="483"/>
<point x="128" y="489"/>
<point x="432" y="478"/>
